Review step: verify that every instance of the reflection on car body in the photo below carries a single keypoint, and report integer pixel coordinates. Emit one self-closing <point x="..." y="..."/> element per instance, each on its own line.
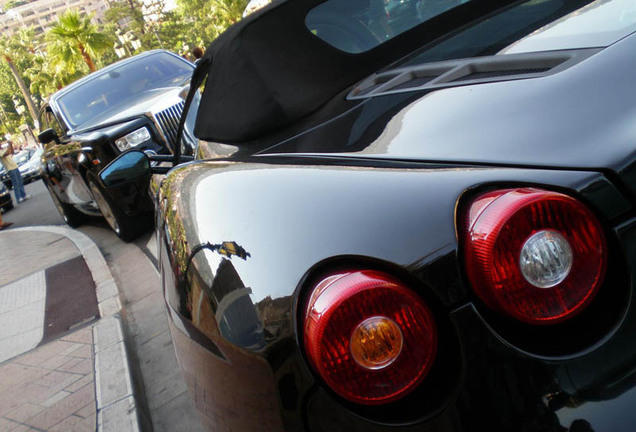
<point x="134" y="103"/>
<point x="431" y="230"/>
<point x="31" y="168"/>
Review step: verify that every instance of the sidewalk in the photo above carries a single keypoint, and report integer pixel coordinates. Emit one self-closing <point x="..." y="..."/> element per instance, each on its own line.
<point x="63" y="360"/>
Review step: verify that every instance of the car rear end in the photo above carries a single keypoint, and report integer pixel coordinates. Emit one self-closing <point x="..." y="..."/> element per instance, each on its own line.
<point x="445" y="253"/>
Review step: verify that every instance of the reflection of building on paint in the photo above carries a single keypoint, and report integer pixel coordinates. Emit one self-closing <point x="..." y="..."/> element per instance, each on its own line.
<point x="43" y="14"/>
<point x="219" y="301"/>
<point x="275" y="316"/>
<point x="236" y="314"/>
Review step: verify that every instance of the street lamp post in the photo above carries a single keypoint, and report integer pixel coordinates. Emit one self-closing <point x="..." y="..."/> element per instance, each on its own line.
<point x="119" y="50"/>
<point x="136" y="43"/>
<point x="127" y="40"/>
<point x="19" y="108"/>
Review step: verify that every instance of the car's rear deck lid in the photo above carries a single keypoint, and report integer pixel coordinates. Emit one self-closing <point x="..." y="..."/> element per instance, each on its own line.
<point x="583" y="117"/>
<point x="477" y="70"/>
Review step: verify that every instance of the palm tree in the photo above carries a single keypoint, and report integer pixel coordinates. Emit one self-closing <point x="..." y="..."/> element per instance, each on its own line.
<point x="75" y="36"/>
<point x="10" y="48"/>
<point x="49" y="75"/>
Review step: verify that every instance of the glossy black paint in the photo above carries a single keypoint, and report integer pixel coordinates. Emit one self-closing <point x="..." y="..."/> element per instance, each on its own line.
<point x="245" y="305"/>
<point x="74" y="157"/>
<point x="532" y="118"/>
<point x="383" y="184"/>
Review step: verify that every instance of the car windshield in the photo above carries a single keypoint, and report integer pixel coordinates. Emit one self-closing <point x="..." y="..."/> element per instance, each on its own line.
<point x="117" y="86"/>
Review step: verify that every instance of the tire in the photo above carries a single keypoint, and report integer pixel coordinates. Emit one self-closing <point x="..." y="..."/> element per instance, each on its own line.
<point x="126" y="227"/>
<point x="72" y="216"/>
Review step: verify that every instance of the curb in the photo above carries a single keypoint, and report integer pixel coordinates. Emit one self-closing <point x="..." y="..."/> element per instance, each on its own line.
<point x="116" y="402"/>
<point x="117" y="407"/>
<point x="105" y="285"/>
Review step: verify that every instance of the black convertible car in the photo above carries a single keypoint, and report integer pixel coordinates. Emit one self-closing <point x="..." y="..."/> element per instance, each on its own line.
<point x="135" y="103"/>
<point x="415" y="224"/>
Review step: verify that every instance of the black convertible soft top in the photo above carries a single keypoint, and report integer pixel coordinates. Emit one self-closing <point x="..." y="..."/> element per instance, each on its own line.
<point x="270" y="70"/>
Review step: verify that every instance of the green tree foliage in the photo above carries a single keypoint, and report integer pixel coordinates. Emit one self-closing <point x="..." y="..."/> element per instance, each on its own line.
<point x="9" y="119"/>
<point x="33" y="67"/>
<point x="17" y="57"/>
<point x="127" y="14"/>
<point x="174" y="31"/>
<point x="49" y="75"/>
<point x="207" y="19"/>
<point x="227" y="12"/>
<point x="75" y="37"/>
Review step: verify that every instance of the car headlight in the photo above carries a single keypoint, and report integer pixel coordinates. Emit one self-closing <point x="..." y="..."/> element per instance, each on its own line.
<point x="133" y="139"/>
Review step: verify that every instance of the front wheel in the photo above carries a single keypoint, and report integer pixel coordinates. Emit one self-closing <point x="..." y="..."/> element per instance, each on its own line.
<point x="126" y="227"/>
<point x="72" y="216"/>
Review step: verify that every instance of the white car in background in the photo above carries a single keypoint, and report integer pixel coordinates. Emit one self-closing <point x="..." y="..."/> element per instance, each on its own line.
<point x="30" y="168"/>
<point x="29" y="162"/>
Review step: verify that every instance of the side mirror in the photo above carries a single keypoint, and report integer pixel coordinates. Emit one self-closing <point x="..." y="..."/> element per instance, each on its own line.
<point x="130" y="167"/>
<point x="47" y="136"/>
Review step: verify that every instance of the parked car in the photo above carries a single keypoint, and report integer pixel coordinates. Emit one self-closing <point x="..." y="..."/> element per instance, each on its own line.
<point x="31" y="168"/>
<point x="433" y="230"/>
<point x="29" y="162"/>
<point x="134" y="103"/>
<point x="6" y="202"/>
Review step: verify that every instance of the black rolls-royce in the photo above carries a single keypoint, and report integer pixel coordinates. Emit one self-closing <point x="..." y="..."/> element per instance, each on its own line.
<point x="415" y="224"/>
<point x="135" y="103"/>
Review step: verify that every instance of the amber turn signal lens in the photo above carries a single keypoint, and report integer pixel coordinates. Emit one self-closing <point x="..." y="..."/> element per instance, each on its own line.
<point x="370" y="337"/>
<point x="376" y="342"/>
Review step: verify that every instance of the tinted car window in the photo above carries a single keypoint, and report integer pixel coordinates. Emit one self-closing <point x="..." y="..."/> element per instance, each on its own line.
<point x="597" y="24"/>
<point x="119" y="85"/>
<point x="358" y="26"/>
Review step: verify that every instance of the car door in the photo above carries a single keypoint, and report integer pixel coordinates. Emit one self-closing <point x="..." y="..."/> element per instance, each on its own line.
<point x="61" y="164"/>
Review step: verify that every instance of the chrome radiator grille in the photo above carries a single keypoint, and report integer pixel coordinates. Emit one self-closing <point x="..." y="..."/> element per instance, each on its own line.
<point x="168" y="121"/>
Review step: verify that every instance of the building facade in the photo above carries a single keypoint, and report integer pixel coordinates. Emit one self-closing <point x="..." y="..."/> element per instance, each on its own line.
<point x="42" y="14"/>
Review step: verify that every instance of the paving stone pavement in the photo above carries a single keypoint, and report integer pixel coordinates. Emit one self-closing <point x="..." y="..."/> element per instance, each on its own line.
<point x="31" y="253"/>
<point x="63" y="361"/>
<point x="51" y="388"/>
<point x="170" y="406"/>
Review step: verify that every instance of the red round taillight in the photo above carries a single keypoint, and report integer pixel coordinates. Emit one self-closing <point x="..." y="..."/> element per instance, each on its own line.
<point x="535" y="255"/>
<point x="369" y="337"/>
